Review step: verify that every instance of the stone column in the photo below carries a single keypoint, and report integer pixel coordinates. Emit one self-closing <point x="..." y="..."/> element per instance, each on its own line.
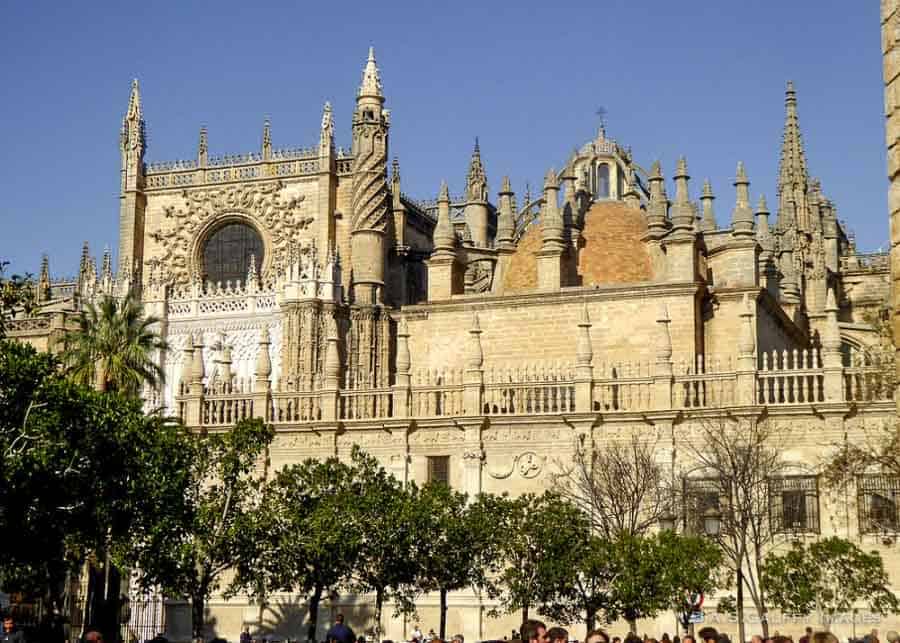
<point x="550" y="256"/>
<point x="831" y="352"/>
<point x="194" y="399"/>
<point x="584" y="370"/>
<point x="401" y="388"/>
<point x="746" y="362"/>
<point x="330" y="393"/>
<point x="474" y="380"/>
<point x="262" y="386"/>
<point x="662" y="370"/>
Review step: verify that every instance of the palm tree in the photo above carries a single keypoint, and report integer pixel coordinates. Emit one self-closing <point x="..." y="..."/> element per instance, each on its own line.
<point x="113" y="347"/>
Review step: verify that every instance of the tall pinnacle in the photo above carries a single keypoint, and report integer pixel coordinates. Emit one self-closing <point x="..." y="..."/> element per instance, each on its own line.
<point x="371" y="78"/>
<point x="792" y="171"/>
<point x="133" y="124"/>
<point x="476" y="180"/>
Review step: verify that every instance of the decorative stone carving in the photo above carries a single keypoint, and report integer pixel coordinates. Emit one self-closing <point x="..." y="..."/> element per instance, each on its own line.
<point x="528" y="463"/>
<point x="277" y="219"/>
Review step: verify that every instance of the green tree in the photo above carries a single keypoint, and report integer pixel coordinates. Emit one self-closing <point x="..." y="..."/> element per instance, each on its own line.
<point x="210" y="529"/>
<point x="692" y="565"/>
<point x="388" y="518"/>
<point x="459" y="545"/>
<point x="113" y="347"/>
<point x="80" y="472"/>
<point x="304" y="541"/>
<point x="538" y="534"/>
<point x="829" y="576"/>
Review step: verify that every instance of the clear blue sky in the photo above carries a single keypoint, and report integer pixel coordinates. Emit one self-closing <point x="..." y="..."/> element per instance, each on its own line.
<point x="701" y="78"/>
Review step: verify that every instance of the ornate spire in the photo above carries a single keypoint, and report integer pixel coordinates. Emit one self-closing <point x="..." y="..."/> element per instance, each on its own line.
<point x="371" y="78"/>
<point x="475" y="355"/>
<point x="682" y="210"/>
<point x="506" y="219"/>
<point x="444" y="238"/>
<point x="792" y="171"/>
<point x="395" y="172"/>
<point x="658" y="205"/>
<point x="133" y="124"/>
<point x="106" y="266"/>
<point x="267" y="140"/>
<point x="709" y="214"/>
<point x="203" y="148"/>
<point x="742" y="216"/>
<point x="476" y="179"/>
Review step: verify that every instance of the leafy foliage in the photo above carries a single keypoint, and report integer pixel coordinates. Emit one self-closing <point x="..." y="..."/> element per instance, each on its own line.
<point x="114" y="345"/>
<point x="211" y="527"/>
<point x="80" y="472"/>
<point x="830" y="576"/>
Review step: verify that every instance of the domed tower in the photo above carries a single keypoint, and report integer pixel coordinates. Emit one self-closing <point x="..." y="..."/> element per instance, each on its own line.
<point x="606" y="167"/>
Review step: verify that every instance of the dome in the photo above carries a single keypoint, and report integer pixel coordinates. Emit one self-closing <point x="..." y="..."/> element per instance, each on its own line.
<point x="612" y="250"/>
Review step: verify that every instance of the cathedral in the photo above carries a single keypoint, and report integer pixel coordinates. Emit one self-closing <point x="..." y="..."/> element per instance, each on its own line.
<point x="481" y="338"/>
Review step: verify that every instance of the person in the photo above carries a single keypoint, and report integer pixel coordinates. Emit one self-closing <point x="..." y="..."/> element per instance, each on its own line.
<point x="534" y="631"/>
<point x="11" y="634"/>
<point x="245" y="635"/>
<point x="416" y="634"/>
<point x="558" y="635"/>
<point x="892" y="636"/>
<point x="688" y="638"/>
<point x="806" y="638"/>
<point x="93" y="636"/>
<point x="596" y="636"/>
<point x="665" y="638"/>
<point x="340" y="632"/>
<point x="458" y="638"/>
<point x="431" y="635"/>
<point x="616" y="639"/>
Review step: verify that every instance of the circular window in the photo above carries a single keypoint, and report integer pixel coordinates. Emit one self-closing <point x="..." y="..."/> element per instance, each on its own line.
<point x="227" y="252"/>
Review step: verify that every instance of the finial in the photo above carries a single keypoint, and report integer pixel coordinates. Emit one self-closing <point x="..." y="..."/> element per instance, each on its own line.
<point x="395" y="170"/>
<point x="371" y="79"/>
<point x="707" y="190"/>
<point x="505" y="187"/>
<point x="585" y="319"/>
<point x="204" y="141"/>
<point x="550" y="180"/>
<point x="656" y="170"/>
<point x="371" y="54"/>
<point x="444" y="194"/>
<point x="741" y="173"/>
<point x="681" y="168"/>
<point x="762" y="207"/>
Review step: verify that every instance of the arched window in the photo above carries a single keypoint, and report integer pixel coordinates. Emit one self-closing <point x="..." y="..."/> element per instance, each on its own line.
<point x="227" y="251"/>
<point x="602" y="184"/>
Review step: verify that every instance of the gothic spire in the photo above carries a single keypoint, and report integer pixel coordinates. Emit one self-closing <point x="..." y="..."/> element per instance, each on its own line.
<point x="106" y="269"/>
<point x="658" y="204"/>
<point x="476" y="179"/>
<point x="792" y="171"/>
<point x="371" y="78"/>
<point x="133" y="123"/>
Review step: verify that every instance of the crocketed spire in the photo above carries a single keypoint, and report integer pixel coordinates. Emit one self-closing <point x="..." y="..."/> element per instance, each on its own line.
<point x="133" y="124"/>
<point x="371" y="78"/>
<point x="793" y="177"/>
<point x="476" y="179"/>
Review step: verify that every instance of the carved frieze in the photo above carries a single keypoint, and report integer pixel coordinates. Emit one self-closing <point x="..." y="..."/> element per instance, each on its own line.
<point x="278" y="218"/>
<point x="505" y="434"/>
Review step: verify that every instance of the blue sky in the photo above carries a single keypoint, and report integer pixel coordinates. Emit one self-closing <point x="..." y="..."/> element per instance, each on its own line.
<point x="701" y="78"/>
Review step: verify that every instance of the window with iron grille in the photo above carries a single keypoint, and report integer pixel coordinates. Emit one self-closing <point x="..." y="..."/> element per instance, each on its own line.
<point x="877" y="498"/>
<point x="439" y="469"/>
<point x="794" y="504"/>
<point x="702" y="496"/>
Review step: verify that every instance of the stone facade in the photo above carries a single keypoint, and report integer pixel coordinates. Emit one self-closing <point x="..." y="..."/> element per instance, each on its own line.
<point x="499" y="336"/>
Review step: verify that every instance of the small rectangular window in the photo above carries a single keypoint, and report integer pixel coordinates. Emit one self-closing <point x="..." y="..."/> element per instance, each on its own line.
<point x="439" y="469"/>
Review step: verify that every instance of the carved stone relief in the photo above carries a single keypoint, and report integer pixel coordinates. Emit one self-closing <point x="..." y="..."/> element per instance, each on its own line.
<point x="278" y="219"/>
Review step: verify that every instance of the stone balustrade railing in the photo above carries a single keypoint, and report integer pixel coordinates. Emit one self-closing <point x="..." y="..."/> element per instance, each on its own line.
<point x="784" y="379"/>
